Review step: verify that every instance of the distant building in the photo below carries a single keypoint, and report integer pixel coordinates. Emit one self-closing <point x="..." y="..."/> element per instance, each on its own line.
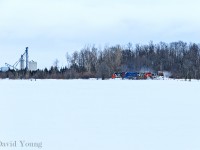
<point x="4" y="69"/>
<point x="32" y="65"/>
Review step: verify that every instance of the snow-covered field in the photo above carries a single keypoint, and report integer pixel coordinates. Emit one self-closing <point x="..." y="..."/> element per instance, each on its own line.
<point x="100" y="115"/>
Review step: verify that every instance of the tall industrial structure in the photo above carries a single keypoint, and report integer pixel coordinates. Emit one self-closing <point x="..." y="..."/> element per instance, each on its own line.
<point x="24" y="58"/>
<point x="22" y="63"/>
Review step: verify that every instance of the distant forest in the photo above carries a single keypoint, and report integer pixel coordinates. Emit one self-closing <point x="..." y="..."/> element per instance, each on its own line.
<point x="181" y="59"/>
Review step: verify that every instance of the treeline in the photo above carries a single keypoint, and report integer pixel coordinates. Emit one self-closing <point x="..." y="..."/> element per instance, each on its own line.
<point x="181" y="59"/>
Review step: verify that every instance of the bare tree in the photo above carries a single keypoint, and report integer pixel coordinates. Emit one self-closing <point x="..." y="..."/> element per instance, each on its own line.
<point x="55" y="64"/>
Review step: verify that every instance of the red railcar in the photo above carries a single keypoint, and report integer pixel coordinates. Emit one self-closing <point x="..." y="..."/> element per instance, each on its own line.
<point x="148" y="75"/>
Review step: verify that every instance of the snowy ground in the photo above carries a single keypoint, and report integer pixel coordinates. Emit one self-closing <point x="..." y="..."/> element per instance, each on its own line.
<point x="100" y="115"/>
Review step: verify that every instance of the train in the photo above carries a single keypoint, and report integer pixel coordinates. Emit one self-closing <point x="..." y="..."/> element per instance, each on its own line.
<point x="138" y="75"/>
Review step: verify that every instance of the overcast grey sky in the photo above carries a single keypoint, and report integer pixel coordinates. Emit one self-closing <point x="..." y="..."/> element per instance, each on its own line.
<point x="50" y="28"/>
